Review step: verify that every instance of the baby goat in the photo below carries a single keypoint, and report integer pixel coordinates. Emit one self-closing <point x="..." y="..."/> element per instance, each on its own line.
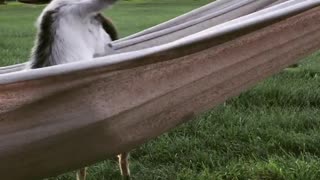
<point x="71" y="30"/>
<point x="74" y="30"/>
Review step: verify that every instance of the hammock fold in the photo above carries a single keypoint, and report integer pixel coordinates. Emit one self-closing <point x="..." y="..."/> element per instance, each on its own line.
<point x="64" y="117"/>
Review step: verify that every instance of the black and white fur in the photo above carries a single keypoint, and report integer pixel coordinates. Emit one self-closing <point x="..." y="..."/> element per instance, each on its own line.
<point x="69" y="31"/>
<point x="74" y="30"/>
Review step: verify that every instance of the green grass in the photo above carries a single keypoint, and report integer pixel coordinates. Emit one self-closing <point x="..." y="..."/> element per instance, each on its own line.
<point x="269" y="132"/>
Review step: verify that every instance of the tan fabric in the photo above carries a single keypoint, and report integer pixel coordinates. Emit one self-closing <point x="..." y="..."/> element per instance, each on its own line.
<point x="118" y="102"/>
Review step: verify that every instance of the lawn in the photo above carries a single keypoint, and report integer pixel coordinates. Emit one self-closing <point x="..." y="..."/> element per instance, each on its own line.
<point x="269" y="132"/>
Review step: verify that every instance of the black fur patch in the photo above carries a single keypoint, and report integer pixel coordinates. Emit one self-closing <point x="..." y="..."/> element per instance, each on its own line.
<point x="43" y="45"/>
<point x="108" y="26"/>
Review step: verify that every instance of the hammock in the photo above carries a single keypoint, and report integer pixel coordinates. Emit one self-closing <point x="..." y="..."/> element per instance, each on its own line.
<point x="64" y="117"/>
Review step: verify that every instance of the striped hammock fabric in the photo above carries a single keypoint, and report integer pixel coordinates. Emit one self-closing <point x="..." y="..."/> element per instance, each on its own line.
<point x="154" y="81"/>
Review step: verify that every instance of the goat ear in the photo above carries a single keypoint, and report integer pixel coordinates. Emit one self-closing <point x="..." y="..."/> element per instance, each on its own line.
<point x="35" y="1"/>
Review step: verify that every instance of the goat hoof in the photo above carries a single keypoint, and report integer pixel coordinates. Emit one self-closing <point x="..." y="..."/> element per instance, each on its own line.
<point x="126" y="178"/>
